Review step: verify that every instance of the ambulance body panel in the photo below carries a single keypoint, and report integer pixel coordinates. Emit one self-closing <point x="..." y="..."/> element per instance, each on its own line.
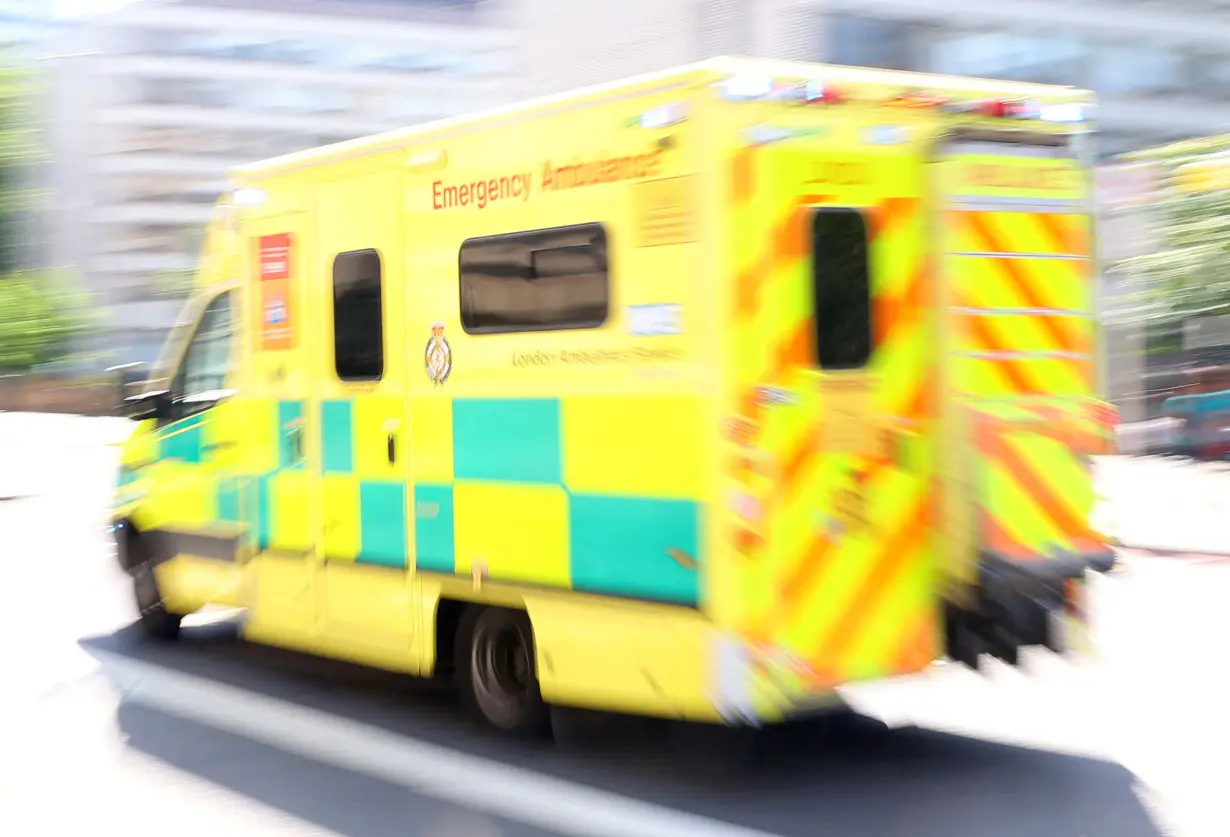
<point x="743" y="381"/>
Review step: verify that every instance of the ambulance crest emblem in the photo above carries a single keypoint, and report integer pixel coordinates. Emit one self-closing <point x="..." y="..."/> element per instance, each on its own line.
<point x="439" y="356"/>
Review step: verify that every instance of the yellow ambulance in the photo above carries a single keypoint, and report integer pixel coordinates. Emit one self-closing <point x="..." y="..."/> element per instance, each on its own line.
<point x="695" y="395"/>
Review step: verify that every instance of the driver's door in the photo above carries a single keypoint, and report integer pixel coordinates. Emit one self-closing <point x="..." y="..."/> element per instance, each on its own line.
<point x="196" y="502"/>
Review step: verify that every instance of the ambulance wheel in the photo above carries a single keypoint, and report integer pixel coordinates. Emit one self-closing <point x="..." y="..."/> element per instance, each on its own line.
<point x="156" y="621"/>
<point x="496" y="671"/>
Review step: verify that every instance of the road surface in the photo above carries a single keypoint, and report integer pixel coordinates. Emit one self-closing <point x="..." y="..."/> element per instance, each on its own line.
<point x="105" y="732"/>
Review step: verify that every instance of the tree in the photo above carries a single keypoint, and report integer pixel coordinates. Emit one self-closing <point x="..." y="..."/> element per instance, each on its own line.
<point x="40" y="318"/>
<point x="40" y="314"/>
<point x="1188" y="274"/>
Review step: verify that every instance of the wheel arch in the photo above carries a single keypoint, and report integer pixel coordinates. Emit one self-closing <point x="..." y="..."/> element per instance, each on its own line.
<point x="127" y="538"/>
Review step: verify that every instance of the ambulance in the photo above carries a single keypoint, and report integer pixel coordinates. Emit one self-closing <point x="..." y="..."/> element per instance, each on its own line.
<point x="699" y="395"/>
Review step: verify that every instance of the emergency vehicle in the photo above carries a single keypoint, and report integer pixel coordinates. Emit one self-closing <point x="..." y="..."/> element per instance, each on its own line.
<point x="696" y="395"/>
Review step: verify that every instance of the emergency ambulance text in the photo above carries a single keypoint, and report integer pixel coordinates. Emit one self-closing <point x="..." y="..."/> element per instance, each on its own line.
<point x="556" y="176"/>
<point x="1018" y="177"/>
<point x="480" y="193"/>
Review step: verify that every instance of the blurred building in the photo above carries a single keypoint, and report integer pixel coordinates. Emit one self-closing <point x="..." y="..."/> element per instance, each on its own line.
<point x="26" y="27"/>
<point x="1162" y="72"/>
<point x="153" y="102"/>
<point x="1127" y="228"/>
<point x="25" y="24"/>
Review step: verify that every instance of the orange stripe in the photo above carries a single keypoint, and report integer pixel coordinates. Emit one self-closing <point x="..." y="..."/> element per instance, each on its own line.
<point x="747" y="288"/>
<point x="743" y="175"/>
<point x="1039" y="492"/>
<point x="747" y="541"/>
<point x="917" y="649"/>
<point x="890" y="213"/>
<point x="1069" y="239"/>
<point x="894" y="556"/>
<point x="1016" y="371"/>
<point x="997" y="539"/>
<point x="798" y="576"/>
<point x="889" y="310"/>
<point x="791" y="239"/>
<point x="788" y="242"/>
<point x="742" y="184"/>
<point x="1013" y="271"/>
<point x="920" y="406"/>
<point x="807" y="450"/>
<point x="804" y="573"/>
<point x="795" y="350"/>
<point x="981" y="329"/>
<point x="791" y="236"/>
<point x="1060" y="336"/>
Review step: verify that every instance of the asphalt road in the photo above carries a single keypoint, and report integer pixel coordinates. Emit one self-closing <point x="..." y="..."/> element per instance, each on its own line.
<point x="104" y="731"/>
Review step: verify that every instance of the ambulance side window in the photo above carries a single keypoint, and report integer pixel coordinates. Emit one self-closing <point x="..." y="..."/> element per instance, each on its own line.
<point x="841" y="287"/>
<point x="202" y="376"/>
<point x="540" y="280"/>
<point x="358" y="316"/>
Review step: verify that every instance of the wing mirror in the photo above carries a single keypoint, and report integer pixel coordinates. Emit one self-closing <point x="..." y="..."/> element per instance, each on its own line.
<point x="155" y="404"/>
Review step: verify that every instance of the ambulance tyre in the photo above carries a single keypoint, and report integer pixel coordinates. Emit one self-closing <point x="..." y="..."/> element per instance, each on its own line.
<point x="156" y="622"/>
<point x="496" y="671"/>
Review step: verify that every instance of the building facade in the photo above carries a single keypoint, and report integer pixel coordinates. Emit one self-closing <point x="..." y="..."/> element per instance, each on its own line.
<point x="25" y="25"/>
<point x="1161" y="72"/>
<point x="154" y="102"/>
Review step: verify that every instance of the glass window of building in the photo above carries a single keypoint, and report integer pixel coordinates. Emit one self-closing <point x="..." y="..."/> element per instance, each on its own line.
<point x="1044" y="57"/>
<point x="967" y="54"/>
<point x="1208" y="72"/>
<point x="869" y="42"/>
<point x="1122" y="68"/>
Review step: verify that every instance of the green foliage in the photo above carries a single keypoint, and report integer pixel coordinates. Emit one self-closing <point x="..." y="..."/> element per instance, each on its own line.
<point x="1189" y="272"/>
<point x="20" y="146"/>
<point x="40" y="317"/>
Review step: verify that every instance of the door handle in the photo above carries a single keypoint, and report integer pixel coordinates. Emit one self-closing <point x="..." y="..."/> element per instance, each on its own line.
<point x="294" y="440"/>
<point x="390" y="427"/>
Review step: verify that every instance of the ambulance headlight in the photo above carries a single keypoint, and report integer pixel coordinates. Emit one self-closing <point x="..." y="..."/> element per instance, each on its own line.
<point x="247" y="196"/>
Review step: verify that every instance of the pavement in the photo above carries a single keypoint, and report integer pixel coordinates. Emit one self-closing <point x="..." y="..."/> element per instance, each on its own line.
<point x="1166" y="505"/>
<point x="105" y="731"/>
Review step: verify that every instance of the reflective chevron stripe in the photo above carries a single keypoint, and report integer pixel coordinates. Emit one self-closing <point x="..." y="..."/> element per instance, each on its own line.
<point x="837" y="605"/>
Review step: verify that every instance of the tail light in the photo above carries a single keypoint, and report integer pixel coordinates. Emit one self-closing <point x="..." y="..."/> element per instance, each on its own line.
<point x="999" y="108"/>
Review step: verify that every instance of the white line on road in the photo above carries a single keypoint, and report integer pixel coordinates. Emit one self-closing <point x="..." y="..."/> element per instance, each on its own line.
<point x="467" y="781"/>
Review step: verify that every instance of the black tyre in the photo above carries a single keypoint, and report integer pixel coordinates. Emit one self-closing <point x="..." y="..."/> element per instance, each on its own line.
<point x="156" y="621"/>
<point x="496" y="671"/>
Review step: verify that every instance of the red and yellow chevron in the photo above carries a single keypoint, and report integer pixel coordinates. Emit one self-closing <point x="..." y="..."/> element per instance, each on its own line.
<point x="846" y="599"/>
<point x="1035" y="494"/>
<point x="1022" y="296"/>
<point x="1022" y="348"/>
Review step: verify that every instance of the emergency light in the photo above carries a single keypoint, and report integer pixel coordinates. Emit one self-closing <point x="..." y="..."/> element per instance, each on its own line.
<point x="998" y="108"/>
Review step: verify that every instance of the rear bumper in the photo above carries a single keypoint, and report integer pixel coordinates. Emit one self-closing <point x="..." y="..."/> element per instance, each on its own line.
<point x="1048" y="573"/>
<point x="1020" y="604"/>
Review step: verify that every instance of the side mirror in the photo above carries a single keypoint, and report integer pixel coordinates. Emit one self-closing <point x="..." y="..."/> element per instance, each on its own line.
<point x="129" y="381"/>
<point x="148" y="405"/>
<point x="130" y="374"/>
